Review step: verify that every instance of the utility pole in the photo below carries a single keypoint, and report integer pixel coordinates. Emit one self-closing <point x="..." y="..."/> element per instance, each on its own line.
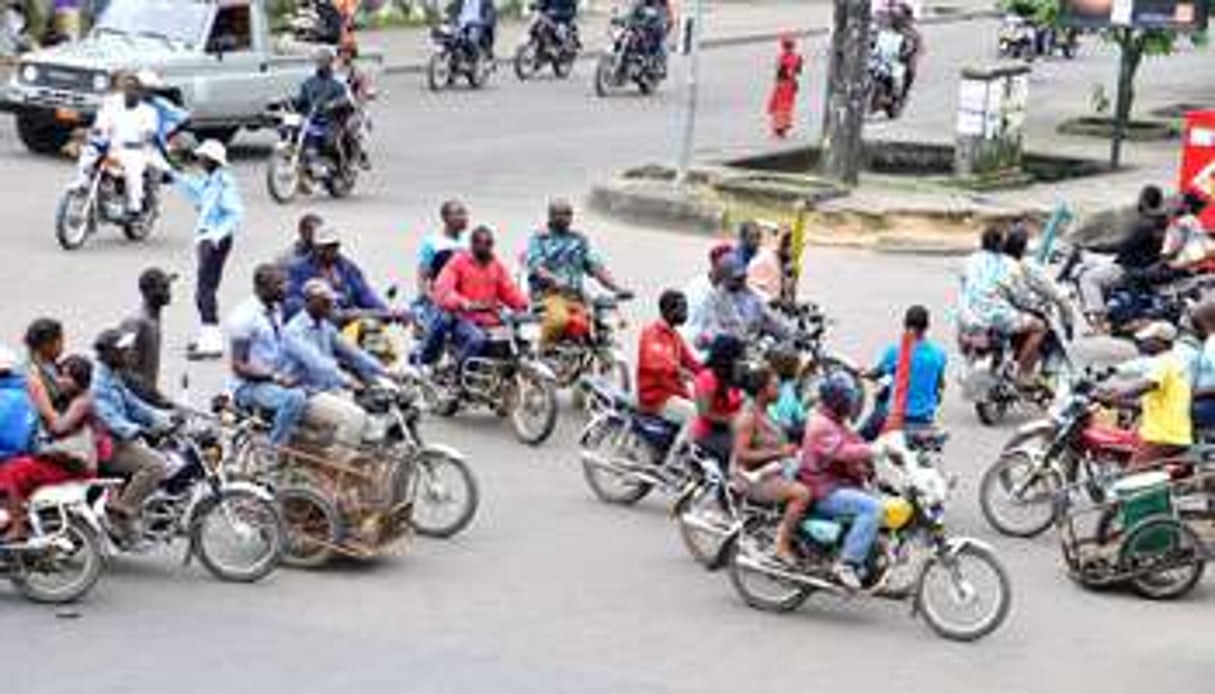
<point x="847" y="91"/>
<point x="690" y="44"/>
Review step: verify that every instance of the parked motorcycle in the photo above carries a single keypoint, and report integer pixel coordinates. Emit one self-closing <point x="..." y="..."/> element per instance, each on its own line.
<point x="103" y="200"/>
<point x="60" y="559"/>
<point x="599" y="353"/>
<point x="456" y="56"/>
<point x="311" y="150"/>
<point x="629" y="61"/>
<point x="507" y="378"/>
<point x="888" y="73"/>
<point x="232" y="526"/>
<point x="547" y="43"/>
<point x="960" y="588"/>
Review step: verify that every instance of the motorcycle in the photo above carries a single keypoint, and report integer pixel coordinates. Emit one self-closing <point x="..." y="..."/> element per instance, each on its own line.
<point x="61" y="558"/>
<point x="309" y="151"/>
<point x="958" y="574"/>
<point x="197" y="501"/>
<point x="630" y="60"/>
<point x="316" y="21"/>
<point x="887" y="74"/>
<point x="103" y="200"/>
<point x="456" y="56"/>
<point x="990" y="379"/>
<point x="507" y="378"/>
<point x="1021" y="38"/>
<point x="808" y="326"/>
<point x="598" y="353"/>
<point x="1070" y="446"/>
<point x="547" y="43"/>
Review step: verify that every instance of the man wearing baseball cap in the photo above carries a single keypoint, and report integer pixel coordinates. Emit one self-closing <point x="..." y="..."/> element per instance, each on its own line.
<point x="354" y="296"/>
<point x="142" y="376"/>
<point x="735" y="309"/>
<point x="220" y="213"/>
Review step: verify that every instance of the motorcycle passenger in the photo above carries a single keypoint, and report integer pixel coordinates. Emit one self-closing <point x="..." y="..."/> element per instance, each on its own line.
<point x="143" y="377"/>
<point x="436" y="250"/>
<point x="126" y="419"/>
<point x="260" y="355"/>
<point x="305" y="236"/>
<point x="916" y="367"/>
<point x="789" y="408"/>
<point x="1133" y="256"/>
<point x="665" y="364"/>
<point x="718" y="398"/>
<point x="355" y="297"/>
<point x="363" y="91"/>
<point x="836" y="467"/>
<point x="1186" y="243"/>
<point x="985" y="303"/>
<point x="1164" y="394"/>
<point x="477" y="22"/>
<point x="736" y="309"/>
<point x="475" y="287"/>
<point x="128" y="127"/>
<point x="319" y="356"/>
<point x="760" y="445"/>
<point x="1031" y="285"/>
<point x="326" y="96"/>
<point x="558" y="258"/>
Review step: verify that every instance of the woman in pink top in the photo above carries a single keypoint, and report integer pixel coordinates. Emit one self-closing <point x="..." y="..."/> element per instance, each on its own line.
<point x="718" y="398"/>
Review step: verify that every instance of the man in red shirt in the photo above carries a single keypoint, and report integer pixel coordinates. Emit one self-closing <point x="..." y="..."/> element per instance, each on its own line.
<point x="475" y="287"/>
<point x="665" y="364"/>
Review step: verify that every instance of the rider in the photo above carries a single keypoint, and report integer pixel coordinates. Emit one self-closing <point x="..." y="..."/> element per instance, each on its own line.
<point x="718" y="397"/>
<point x="128" y="127"/>
<point x="126" y="419"/>
<point x="1186" y="242"/>
<point x="916" y="366"/>
<point x="557" y="260"/>
<point x="652" y="18"/>
<point x="760" y="447"/>
<point x="1202" y="368"/>
<point x="836" y="467"/>
<point x="477" y="20"/>
<point x="436" y="250"/>
<point x="665" y="364"/>
<point x="903" y="22"/>
<point x="985" y="304"/>
<point x="735" y="309"/>
<point x="1031" y="286"/>
<point x="301" y="248"/>
<point x="321" y="93"/>
<point x="318" y="355"/>
<point x="561" y="13"/>
<point x="475" y="287"/>
<point x="260" y="354"/>
<point x="359" y="83"/>
<point x="355" y="297"/>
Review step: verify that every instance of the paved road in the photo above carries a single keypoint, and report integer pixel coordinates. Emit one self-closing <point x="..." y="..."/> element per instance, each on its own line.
<point x="548" y="590"/>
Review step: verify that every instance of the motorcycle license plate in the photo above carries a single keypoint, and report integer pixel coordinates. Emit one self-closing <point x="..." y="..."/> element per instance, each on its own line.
<point x="67" y="115"/>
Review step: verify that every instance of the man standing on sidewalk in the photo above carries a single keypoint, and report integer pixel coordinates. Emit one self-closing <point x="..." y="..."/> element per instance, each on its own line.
<point x="220" y="212"/>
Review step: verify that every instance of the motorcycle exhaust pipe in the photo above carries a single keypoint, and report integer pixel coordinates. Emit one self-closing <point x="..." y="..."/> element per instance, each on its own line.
<point x="696" y="522"/>
<point x="785" y="575"/>
<point x="598" y="461"/>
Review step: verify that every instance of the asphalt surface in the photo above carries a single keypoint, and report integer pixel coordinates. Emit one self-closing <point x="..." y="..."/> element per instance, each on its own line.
<point x="548" y="590"/>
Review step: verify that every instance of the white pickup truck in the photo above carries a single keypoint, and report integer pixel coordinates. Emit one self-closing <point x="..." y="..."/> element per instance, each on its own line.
<point x="217" y="56"/>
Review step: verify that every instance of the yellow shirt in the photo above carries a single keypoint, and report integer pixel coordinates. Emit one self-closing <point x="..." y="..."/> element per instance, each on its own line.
<point x="1166" y="409"/>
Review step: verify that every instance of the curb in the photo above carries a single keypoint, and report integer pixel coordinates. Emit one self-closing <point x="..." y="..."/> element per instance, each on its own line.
<point x="415" y="68"/>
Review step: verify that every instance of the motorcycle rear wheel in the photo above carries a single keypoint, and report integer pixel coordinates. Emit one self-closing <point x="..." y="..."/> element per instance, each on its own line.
<point x="341" y="184"/>
<point x="563" y="66"/>
<point x="313" y="526"/>
<point x="245" y="514"/>
<point x="75" y="221"/>
<point x="49" y="580"/>
<point x="758" y="589"/>
<point x="282" y="177"/>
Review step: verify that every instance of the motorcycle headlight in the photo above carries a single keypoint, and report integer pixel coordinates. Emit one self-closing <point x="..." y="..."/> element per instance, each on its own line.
<point x="101" y="82"/>
<point x="530" y="332"/>
<point x="29" y="74"/>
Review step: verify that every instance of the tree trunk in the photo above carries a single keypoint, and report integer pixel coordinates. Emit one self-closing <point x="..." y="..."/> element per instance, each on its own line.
<point x="847" y="100"/>
<point x="1130" y="49"/>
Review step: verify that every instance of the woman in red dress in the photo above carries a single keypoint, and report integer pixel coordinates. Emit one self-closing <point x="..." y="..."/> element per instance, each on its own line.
<point x="784" y="92"/>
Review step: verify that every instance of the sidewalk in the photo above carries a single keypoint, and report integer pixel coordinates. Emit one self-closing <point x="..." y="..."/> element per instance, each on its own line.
<point x="726" y="23"/>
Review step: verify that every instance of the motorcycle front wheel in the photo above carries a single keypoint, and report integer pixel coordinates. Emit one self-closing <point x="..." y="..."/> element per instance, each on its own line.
<point x="605" y="442"/>
<point x="238" y="536"/>
<point x="964" y="594"/>
<point x="533" y="408"/>
<point x="479" y="70"/>
<point x="438" y="71"/>
<point x="63" y="572"/>
<point x="75" y="219"/>
<point x="704" y="525"/>
<point x="605" y="75"/>
<point x="282" y="176"/>
<point x="527" y="61"/>
<point x="1017" y="495"/>
<point x="446" y="496"/>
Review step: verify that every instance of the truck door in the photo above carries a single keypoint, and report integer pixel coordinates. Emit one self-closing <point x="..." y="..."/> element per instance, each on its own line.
<point x="236" y="67"/>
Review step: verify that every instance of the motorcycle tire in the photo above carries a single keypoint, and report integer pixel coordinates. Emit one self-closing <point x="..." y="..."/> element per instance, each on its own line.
<point x="341" y="185"/>
<point x="563" y="66"/>
<point x="141" y="229"/>
<point x="546" y="394"/>
<point x="991" y="412"/>
<point x="479" y="71"/>
<point x="438" y="71"/>
<point x="527" y="61"/>
<point x="996" y="486"/>
<point x="706" y="546"/>
<point x="605" y="78"/>
<point x="1002" y="601"/>
<point x="787" y="595"/>
<point x="607" y="485"/>
<point x="283" y="178"/>
<point x="461" y="476"/>
<point x="260" y="515"/>
<point x="87" y="548"/>
<point x="313" y="526"/>
<point x="74" y="227"/>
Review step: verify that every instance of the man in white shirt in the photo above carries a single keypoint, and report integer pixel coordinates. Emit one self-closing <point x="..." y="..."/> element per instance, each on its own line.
<point x="128" y="126"/>
<point x="698" y="292"/>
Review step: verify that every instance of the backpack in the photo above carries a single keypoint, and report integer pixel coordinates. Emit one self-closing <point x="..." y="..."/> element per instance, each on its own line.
<point x="18" y="418"/>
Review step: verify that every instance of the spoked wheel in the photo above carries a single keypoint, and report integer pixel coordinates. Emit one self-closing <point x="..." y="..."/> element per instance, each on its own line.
<point x="533" y="408"/>
<point x="66" y="570"/>
<point x="446" y="497"/>
<point x="438" y="71"/>
<point x="238" y="536"/>
<point x="964" y="594"/>
<point x="313" y="526"/>
<point x="605" y="75"/>
<point x="282" y="176"/>
<point x="1017" y="494"/>
<point x="758" y="588"/>
<point x="341" y="183"/>
<point x="75" y="219"/>
<point x="479" y="70"/>
<point x="1166" y="556"/>
<point x="608" y="440"/>
<point x="704" y="525"/>
<point x="527" y="61"/>
<point x="563" y="66"/>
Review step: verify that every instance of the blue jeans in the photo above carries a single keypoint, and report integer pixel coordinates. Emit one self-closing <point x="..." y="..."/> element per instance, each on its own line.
<point x="1203" y="414"/>
<point x="865" y="511"/>
<point x="286" y="403"/>
<point x="469" y="338"/>
<point x="437" y="326"/>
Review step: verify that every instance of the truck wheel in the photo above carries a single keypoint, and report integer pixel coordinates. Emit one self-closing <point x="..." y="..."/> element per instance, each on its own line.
<point x="41" y="133"/>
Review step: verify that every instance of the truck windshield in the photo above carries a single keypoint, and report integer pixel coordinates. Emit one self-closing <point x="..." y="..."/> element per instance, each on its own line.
<point x="180" y="21"/>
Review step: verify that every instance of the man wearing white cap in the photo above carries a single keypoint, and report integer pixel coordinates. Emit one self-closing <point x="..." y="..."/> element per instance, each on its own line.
<point x="1163" y="391"/>
<point x="220" y="212"/>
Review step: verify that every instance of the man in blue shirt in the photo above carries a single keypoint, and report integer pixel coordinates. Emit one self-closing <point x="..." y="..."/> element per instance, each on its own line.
<point x="260" y="355"/>
<point x="434" y="253"/>
<point x="355" y="297"/>
<point x="925" y="380"/>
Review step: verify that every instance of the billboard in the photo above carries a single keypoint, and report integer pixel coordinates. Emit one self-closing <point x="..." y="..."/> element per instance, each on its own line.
<point x="1182" y="15"/>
